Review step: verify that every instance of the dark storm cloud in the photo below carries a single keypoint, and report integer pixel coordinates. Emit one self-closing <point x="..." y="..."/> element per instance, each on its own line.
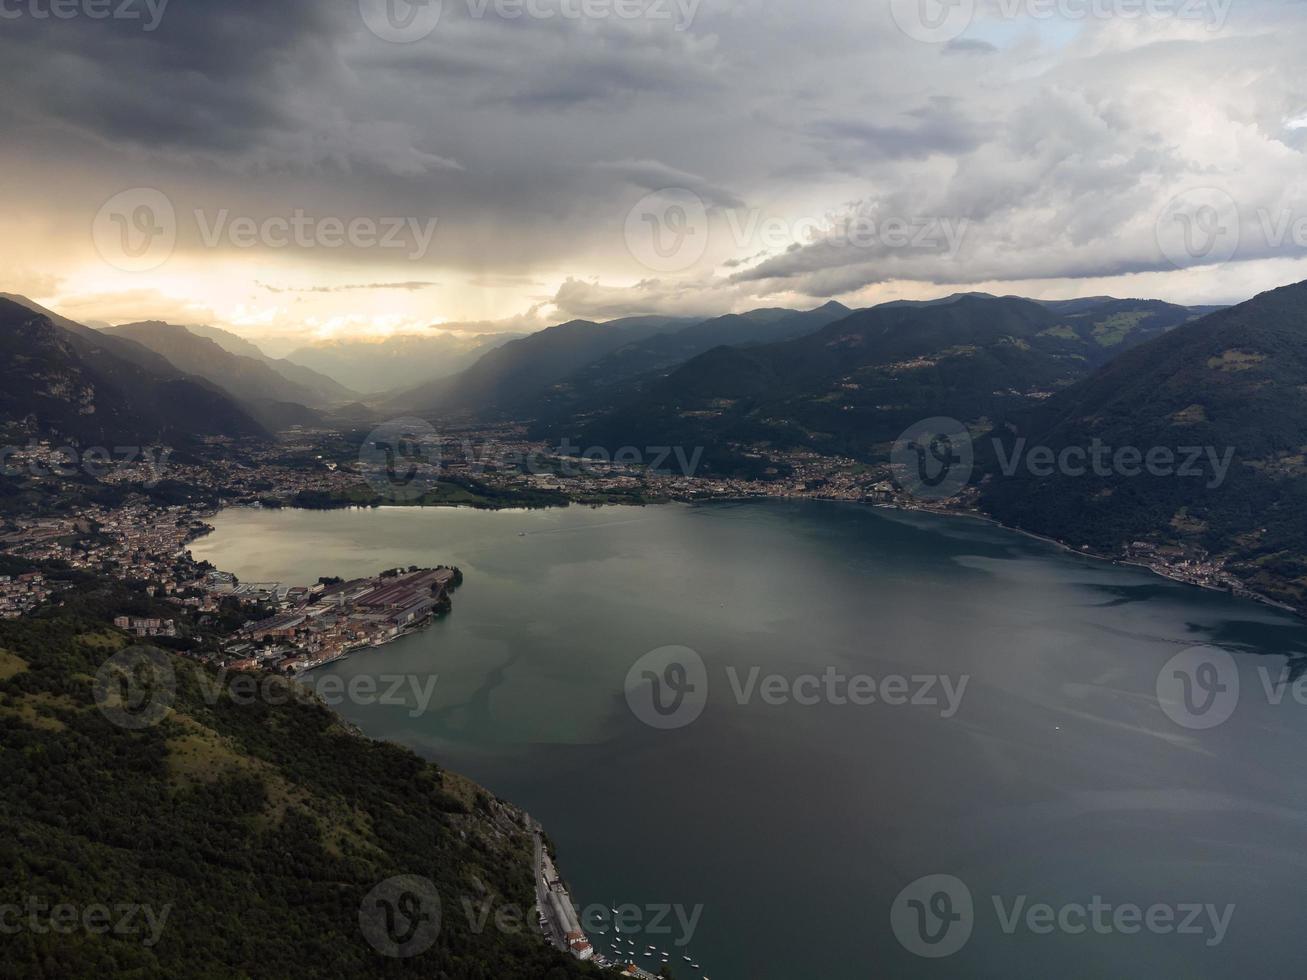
<point x="967" y="45"/>
<point x="531" y="140"/>
<point x="654" y="175"/>
<point x="940" y="126"/>
<point x="213" y="74"/>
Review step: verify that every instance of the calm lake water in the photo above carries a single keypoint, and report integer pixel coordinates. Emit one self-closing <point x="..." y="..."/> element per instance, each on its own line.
<point x="795" y="826"/>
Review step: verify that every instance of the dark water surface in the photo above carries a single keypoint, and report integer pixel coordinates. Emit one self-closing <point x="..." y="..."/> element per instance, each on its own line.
<point x="794" y="826"/>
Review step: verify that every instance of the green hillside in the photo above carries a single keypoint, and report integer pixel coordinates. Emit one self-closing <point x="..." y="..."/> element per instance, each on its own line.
<point x="251" y="828"/>
<point x="853" y="386"/>
<point x="627" y="372"/>
<point x="1233" y="384"/>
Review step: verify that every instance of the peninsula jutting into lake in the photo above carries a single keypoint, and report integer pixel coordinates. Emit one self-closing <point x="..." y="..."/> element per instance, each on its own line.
<point x="319" y="624"/>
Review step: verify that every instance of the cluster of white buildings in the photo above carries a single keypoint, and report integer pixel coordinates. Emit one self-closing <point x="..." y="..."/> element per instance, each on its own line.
<point x="19" y="593"/>
<point x="146" y="626"/>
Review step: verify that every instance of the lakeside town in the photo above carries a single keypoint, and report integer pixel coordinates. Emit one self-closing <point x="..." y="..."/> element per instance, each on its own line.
<point x="293" y="627"/>
<point x="282" y="627"/>
<point x="266" y="625"/>
<point x="143" y="540"/>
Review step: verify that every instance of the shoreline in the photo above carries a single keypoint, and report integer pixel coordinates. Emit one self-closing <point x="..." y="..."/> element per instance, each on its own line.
<point x="1161" y="572"/>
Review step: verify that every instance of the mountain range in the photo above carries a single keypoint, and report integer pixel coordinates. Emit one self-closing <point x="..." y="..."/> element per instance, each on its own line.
<point x="582" y="366"/>
<point x="321" y="389"/>
<point x="504" y="378"/>
<point x="852" y="386"/>
<point x="1222" y="405"/>
<point x="383" y="364"/>
<point x="623" y="374"/>
<point x="267" y="394"/>
<point x="829" y="378"/>
<point x="58" y="378"/>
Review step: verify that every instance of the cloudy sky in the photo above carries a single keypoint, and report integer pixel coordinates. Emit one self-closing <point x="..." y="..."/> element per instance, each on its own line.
<point x="315" y="168"/>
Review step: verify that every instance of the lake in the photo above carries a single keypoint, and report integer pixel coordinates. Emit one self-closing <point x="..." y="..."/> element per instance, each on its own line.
<point x="897" y="734"/>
